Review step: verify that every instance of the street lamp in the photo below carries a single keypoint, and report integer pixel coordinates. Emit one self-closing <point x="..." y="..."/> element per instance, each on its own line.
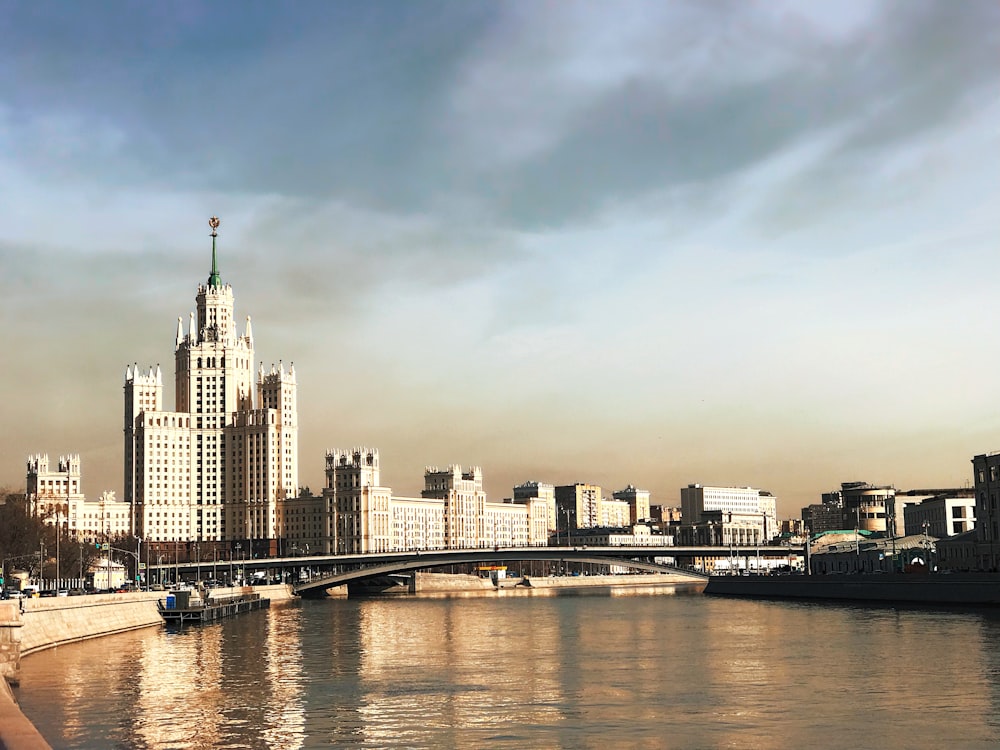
<point x="57" y="537"/>
<point x="138" y="559"/>
<point x="927" y="546"/>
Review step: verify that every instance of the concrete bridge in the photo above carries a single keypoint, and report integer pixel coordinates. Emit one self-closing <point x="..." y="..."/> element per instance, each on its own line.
<point x="334" y="570"/>
<point x="411" y="561"/>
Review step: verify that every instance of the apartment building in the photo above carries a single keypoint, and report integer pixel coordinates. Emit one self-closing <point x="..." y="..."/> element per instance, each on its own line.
<point x="217" y="466"/>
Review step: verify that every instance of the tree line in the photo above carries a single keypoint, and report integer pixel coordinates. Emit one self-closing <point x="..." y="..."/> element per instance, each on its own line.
<point x="30" y="544"/>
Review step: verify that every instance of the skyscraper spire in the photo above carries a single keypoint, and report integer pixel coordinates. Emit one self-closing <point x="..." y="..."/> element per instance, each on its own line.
<point x="214" y="280"/>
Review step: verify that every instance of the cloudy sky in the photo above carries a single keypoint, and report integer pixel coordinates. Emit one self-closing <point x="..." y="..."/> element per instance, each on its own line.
<point x="747" y="243"/>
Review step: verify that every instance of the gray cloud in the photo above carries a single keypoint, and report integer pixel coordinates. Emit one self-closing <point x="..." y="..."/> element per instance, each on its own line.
<point x="909" y="73"/>
<point x="330" y="102"/>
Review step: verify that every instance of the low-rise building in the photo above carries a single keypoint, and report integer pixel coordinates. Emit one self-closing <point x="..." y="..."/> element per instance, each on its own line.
<point x="860" y="552"/>
<point x="719" y="528"/>
<point x="639" y="535"/>
<point x="986" y="472"/>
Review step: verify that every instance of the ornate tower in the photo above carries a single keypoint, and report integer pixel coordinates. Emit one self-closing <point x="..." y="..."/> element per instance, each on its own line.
<point x="214" y="469"/>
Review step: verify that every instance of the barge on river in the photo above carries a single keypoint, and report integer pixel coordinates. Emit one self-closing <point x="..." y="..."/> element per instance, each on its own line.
<point x="181" y="607"/>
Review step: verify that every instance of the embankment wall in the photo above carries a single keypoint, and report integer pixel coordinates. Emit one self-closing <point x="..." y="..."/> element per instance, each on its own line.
<point x="430" y="582"/>
<point x="49" y="622"/>
<point x="972" y="589"/>
<point x="16" y="732"/>
<point x="547" y="582"/>
<point x="54" y="621"/>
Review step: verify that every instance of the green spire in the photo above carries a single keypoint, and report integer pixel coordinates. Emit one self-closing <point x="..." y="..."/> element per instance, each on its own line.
<point x="214" y="280"/>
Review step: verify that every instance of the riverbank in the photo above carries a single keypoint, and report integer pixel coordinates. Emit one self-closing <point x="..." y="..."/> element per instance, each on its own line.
<point x="960" y="589"/>
<point x="56" y="621"/>
<point x="16" y="731"/>
<point x="50" y="622"/>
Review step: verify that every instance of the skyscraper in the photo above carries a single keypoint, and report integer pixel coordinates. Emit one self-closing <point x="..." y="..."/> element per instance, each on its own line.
<point x="215" y="468"/>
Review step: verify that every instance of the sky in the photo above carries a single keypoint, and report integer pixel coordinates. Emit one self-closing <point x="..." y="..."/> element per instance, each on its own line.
<point x="648" y="243"/>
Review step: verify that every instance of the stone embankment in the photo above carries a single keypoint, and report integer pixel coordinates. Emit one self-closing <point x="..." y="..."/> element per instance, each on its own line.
<point x="16" y="732"/>
<point x="425" y="583"/>
<point x="30" y="625"/>
<point x="960" y="589"/>
<point x="648" y="579"/>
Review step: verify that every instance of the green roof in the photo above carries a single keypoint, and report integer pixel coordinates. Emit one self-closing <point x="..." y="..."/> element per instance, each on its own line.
<point x="214" y="279"/>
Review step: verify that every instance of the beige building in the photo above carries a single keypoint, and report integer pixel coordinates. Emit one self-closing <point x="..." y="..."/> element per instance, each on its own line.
<point x="578" y="506"/>
<point x="584" y="506"/>
<point x="872" y="508"/>
<point x="218" y="466"/>
<point x="523" y="493"/>
<point x="638" y="503"/>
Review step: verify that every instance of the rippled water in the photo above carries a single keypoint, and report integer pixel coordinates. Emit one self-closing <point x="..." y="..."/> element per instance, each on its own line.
<point x="623" y="668"/>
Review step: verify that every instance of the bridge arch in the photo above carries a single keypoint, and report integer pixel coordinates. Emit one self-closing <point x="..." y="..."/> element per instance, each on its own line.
<point x="426" y="560"/>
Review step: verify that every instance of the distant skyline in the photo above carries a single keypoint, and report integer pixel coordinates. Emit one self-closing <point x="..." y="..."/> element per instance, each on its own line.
<point x="621" y="243"/>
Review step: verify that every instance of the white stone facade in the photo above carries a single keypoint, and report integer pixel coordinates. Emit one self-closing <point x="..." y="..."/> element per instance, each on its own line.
<point x="56" y="496"/>
<point x="697" y="500"/>
<point x="452" y="512"/>
<point x="944" y="516"/>
<point x="217" y="467"/>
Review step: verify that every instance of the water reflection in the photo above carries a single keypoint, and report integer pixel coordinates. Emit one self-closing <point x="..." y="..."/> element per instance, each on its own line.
<point x="543" y="671"/>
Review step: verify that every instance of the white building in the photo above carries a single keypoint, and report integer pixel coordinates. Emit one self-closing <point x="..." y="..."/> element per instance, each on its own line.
<point x="50" y="491"/>
<point x="528" y="491"/>
<point x="215" y="468"/>
<point x="942" y="515"/>
<point x="452" y="512"/>
<point x="56" y="496"/>
<point x="358" y="517"/>
<point x="752" y="506"/>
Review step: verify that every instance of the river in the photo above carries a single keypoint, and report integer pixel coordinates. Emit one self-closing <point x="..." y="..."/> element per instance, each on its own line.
<point x="653" y="667"/>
